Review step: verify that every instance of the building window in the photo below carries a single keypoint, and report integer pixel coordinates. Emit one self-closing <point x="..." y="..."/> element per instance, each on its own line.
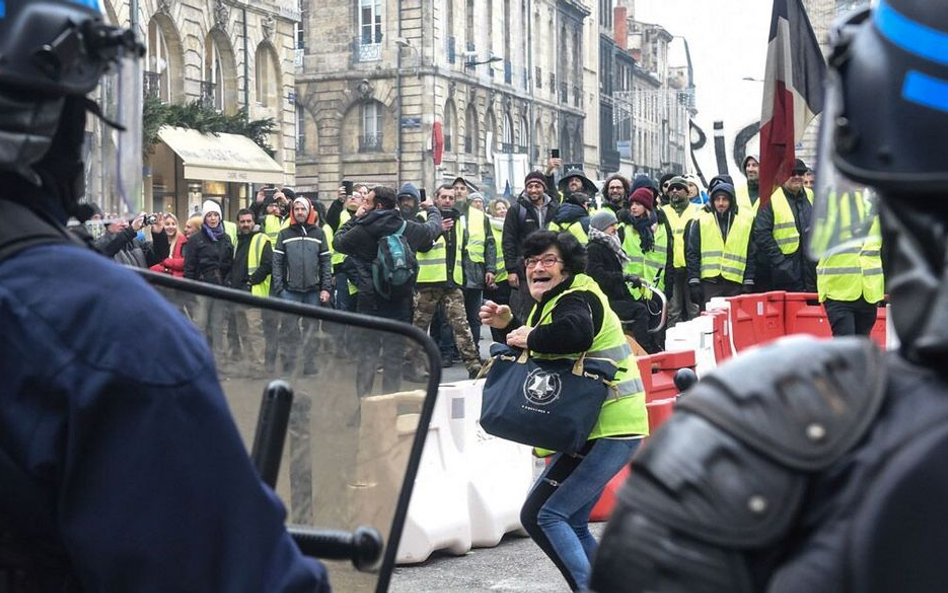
<point x="157" y="75"/>
<point x="507" y="141"/>
<point x="371" y="138"/>
<point x="450" y="126"/>
<point x="470" y="131"/>
<point x="266" y="74"/>
<point x="524" y="135"/>
<point x="300" y="129"/>
<point x="212" y="87"/>
<point x="507" y="18"/>
<point x="370" y="21"/>
<point x="469" y="24"/>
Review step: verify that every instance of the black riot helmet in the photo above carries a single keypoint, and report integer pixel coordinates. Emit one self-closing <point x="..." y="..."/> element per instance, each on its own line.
<point x="58" y="60"/>
<point x="883" y="172"/>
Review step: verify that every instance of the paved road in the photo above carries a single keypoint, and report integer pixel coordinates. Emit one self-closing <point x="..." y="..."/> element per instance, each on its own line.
<point x="516" y="565"/>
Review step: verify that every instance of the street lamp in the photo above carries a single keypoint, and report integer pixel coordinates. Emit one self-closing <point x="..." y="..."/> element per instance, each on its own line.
<point x="490" y="60"/>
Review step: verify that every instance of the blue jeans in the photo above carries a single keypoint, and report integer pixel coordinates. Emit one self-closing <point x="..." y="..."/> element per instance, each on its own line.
<point x="556" y="512"/>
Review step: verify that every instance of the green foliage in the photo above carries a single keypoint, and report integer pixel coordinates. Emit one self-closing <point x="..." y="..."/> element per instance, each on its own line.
<point x="196" y="116"/>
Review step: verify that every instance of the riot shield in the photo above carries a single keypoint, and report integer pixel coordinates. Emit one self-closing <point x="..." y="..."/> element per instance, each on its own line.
<point x="356" y="425"/>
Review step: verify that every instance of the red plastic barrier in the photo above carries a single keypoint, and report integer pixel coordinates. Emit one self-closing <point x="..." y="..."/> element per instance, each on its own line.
<point x="757" y="318"/>
<point x="805" y="315"/>
<point x="721" y="337"/>
<point x="658" y="412"/>
<point x="658" y="372"/>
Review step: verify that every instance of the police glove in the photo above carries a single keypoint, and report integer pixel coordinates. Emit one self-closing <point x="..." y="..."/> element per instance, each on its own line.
<point x="697" y="295"/>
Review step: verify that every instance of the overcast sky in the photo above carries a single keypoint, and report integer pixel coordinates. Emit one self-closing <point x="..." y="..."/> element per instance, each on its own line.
<point x="728" y="41"/>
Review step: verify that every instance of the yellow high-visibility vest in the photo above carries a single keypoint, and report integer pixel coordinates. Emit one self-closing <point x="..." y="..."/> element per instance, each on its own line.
<point x="230" y="229"/>
<point x="337" y="257"/>
<point x="272" y="225"/>
<point x="475" y="235"/>
<point x="254" y="256"/>
<point x="678" y="223"/>
<point x="785" y="231"/>
<point x="433" y="264"/>
<point x="575" y="228"/>
<point x="497" y="228"/>
<point x="853" y="272"/>
<point x="720" y="257"/>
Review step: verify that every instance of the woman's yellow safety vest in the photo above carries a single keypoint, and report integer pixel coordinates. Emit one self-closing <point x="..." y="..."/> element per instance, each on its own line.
<point x="626" y="413"/>
<point x="725" y="258"/>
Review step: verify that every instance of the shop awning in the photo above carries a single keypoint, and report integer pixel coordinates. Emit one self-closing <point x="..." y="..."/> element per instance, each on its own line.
<point x="224" y="157"/>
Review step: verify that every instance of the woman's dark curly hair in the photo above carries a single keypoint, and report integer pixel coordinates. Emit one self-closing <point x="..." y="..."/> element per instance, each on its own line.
<point x="571" y="250"/>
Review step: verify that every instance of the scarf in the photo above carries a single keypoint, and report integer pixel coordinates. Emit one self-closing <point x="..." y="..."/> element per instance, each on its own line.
<point x="643" y="225"/>
<point x="612" y="242"/>
<point x="213" y="234"/>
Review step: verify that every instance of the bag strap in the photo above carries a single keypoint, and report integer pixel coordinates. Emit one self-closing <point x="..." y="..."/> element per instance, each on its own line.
<point x="401" y="229"/>
<point x="525" y="355"/>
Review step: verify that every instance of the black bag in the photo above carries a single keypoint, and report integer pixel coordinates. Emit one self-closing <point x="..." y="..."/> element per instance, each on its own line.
<point x="551" y="404"/>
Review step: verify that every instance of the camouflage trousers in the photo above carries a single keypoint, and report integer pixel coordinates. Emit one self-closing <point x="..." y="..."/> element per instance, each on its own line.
<point x="427" y="300"/>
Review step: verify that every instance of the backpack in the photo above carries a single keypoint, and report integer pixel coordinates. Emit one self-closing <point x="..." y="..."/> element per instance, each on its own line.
<point x="395" y="266"/>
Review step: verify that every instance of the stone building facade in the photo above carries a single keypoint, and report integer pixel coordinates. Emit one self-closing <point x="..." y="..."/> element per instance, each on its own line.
<point x="490" y="86"/>
<point x="227" y="55"/>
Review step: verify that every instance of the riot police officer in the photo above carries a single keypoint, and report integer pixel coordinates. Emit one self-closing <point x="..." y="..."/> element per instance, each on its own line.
<point x="820" y="466"/>
<point x="120" y="469"/>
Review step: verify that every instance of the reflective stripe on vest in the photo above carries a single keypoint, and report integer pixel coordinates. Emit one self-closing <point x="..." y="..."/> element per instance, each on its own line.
<point x="272" y="225"/>
<point x="785" y="231"/>
<point x="497" y="227"/>
<point x="433" y="264"/>
<point x="854" y="272"/>
<point x="254" y="255"/>
<point x="678" y="224"/>
<point x="475" y="235"/>
<point x="720" y="257"/>
<point x="337" y="258"/>
<point x="645" y="265"/>
<point x="625" y="414"/>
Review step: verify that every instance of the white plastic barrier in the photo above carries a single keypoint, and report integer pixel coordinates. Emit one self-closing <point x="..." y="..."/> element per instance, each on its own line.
<point x="697" y="335"/>
<point x="500" y="472"/>
<point x="438" y="516"/>
<point x="470" y="485"/>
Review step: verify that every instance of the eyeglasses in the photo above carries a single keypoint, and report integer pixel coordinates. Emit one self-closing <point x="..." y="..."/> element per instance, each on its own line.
<point x="548" y="261"/>
<point x="677" y="188"/>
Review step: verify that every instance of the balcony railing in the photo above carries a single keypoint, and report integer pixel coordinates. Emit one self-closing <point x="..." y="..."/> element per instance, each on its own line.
<point x="364" y="50"/>
<point x="506" y="148"/>
<point x="370" y="143"/>
<point x="152" y="85"/>
<point x="208" y="95"/>
<point x="564" y="92"/>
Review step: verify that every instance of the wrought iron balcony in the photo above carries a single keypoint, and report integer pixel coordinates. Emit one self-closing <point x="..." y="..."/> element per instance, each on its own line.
<point x="209" y="95"/>
<point x="152" y="85"/>
<point x="366" y="49"/>
<point x="370" y="143"/>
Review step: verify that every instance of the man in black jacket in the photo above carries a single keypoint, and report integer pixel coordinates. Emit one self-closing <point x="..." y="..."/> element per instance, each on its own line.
<point x="782" y="230"/>
<point x="302" y="272"/>
<point x="359" y="239"/>
<point x="253" y="263"/>
<point x="120" y="242"/>
<point x="533" y="211"/>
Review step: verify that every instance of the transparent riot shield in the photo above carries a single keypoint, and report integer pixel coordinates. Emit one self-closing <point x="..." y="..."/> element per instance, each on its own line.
<point x="356" y="425"/>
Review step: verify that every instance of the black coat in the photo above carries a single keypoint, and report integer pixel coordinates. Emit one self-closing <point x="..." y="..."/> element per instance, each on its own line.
<point x="522" y="219"/>
<point x="794" y="272"/>
<point x="604" y="267"/>
<point x="359" y="239"/>
<point x="207" y="260"/>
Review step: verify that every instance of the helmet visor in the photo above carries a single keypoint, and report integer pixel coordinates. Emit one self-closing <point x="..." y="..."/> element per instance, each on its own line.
<point x="114" y="162"/>
<point x="845" y="211"/>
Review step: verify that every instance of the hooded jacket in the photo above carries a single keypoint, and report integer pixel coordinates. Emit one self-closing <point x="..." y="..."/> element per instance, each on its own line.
<point x="359" y="239"/>
<point x="409" y="189"/>
<point x="725" y="222"/>
<point x="588" y="186"/>
<point x="522" y="219"/>
<point x="569" y="213"/>
<point x="301" y="258"/>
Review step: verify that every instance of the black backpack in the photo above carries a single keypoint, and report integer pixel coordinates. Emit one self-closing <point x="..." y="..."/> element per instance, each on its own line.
<point x="395" y="266"/>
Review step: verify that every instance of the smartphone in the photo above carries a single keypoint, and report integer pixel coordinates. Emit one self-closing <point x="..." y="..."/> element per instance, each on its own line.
<point x="424" y="194"/>
<point x="555" y="153"/>
<point x="348" y="186"/>
<point x="268" y="192"/>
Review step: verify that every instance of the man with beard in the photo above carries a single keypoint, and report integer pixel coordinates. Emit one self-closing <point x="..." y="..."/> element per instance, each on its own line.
<point x="680" y="213"/>
<point x="748" y="194"/>
<point x="782" y="231"/>
<point x="409" y="199"/>
<point x="250" y="272"/>
<point x="615" y="191"/>
<point x="534" y="210"/>
<point x="343" y="280"/>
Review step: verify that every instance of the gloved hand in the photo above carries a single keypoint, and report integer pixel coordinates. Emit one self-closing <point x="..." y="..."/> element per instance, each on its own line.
<point x="747" y="289"/>
<point x="697" y="295"/>
<point x="634" y="280"/>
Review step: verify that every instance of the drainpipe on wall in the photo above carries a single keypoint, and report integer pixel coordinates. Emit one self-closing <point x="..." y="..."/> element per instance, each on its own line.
<point x="246" y="64"/>
<point x="398" y="98"/>
<point x="531" y="123"/>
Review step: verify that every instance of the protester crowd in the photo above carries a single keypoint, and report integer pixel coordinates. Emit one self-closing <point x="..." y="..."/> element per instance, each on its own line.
<point x="642" y="236"/>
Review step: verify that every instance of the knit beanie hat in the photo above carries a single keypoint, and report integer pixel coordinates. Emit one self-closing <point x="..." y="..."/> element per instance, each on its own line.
<point x="210" y="206"/>
<point x="535" y="176"/>
<point x="643" y="196"/>
<point x="602" y="220"/>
